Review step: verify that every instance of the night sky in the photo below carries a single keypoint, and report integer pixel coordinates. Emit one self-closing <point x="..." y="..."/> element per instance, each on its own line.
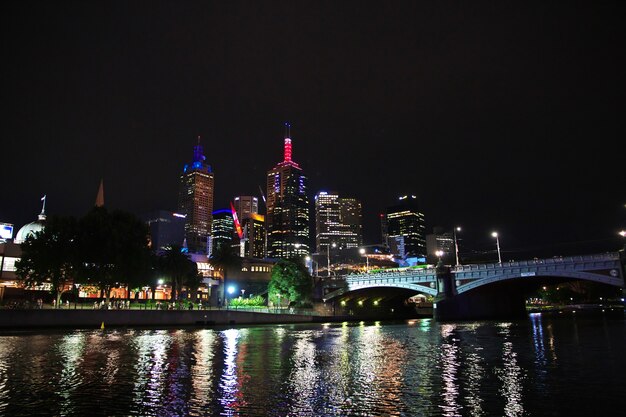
<point x="500" y="115"/>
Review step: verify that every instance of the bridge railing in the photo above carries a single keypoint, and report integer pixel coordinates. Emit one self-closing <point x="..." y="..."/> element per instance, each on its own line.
<point x="609" y="256"/>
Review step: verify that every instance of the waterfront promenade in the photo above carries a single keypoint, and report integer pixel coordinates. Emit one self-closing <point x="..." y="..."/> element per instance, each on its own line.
<point x="82" y="316"/>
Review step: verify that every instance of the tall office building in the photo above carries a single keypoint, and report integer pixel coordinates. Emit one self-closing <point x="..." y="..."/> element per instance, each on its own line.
<point x="441" y="240"/>
<point x="352" y="221"/>
<point x="222" y="229"/>
<point x="166" y="229"/>
<point x="254" y="235"/>
<point x="245" y="206"/>
<point x="406" y="228"/>
<point x="195" y="200"/>
<point x="287" y="216"/>
<point x="338" y="221"/>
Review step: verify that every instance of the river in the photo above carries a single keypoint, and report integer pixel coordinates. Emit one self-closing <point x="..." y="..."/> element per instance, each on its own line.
<point x="542" y="366"/>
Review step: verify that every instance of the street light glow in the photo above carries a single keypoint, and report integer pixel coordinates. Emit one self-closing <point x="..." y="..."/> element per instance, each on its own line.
<point x="495" y="234"/>
<point x="231" y="289"/>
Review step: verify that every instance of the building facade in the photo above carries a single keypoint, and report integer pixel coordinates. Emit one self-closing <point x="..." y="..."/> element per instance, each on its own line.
<point x="166" y="229"/>
<point x="196" y="201"/>
<point x="254" y="235"/>
<point x="337" y="221"/>
<point x="441" y="240"/>
<point x="222" y="229"/>
<point x="287" y="216"/>
<point x="406" y="228"/>
<point x="245" y="206"/>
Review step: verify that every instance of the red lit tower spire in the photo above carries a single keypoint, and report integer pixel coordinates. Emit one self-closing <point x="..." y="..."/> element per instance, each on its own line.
<point x="287" y="143"/>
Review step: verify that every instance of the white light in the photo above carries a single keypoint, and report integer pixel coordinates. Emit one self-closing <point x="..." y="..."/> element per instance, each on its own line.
<point x="494" y="234"/>
<point x="231" y="289"/>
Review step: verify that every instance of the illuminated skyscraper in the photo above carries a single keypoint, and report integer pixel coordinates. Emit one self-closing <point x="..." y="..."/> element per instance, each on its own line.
<point x="337" y="220"/>
<point x="406" y="228"/>
<point x="245" y="206"/>
<point x="254" y="232"/>
<point x="287" y="208"/>
<point x="222" y="229"/>
<point x="195" y="200"/>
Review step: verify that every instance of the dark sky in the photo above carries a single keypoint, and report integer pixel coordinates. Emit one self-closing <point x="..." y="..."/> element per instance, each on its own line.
<point x="498" y="115"/>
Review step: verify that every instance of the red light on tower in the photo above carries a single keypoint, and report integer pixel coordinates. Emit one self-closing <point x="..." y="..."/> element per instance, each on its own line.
<point x="287" y="150"/>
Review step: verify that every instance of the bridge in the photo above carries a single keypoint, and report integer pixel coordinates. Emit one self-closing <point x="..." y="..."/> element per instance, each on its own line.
<point x="477" y="290"/>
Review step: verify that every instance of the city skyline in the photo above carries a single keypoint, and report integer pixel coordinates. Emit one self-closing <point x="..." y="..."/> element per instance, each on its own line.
<point x="497" y="117"/>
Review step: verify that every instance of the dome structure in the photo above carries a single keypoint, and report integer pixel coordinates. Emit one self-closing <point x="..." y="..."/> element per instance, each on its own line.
<point x="33" y="227"/>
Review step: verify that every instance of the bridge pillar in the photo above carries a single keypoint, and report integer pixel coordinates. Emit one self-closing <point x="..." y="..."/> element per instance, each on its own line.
<point x="446" y="285"/>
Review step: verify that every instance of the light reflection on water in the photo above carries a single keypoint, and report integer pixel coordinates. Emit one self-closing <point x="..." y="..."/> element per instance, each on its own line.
<point x="421" y="368"/>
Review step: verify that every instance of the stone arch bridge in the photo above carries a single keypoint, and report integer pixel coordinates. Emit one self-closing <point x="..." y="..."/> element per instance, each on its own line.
<point x="483" y="290"/>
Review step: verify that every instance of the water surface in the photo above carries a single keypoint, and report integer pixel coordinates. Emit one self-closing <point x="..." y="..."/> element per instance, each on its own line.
<point x="542" y="366"/>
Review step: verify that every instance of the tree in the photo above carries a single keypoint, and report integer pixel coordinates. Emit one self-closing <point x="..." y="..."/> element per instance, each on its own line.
<point x="290" y="280"/>
<point x="179" y="268"/>
<point x="113" y="248"/>
<point x="49" y="256"/>
<point x="222" y="259"/>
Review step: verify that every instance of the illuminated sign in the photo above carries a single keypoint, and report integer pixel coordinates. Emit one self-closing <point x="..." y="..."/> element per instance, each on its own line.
<point x="6" y="231"/>
<point x="237" y="225"/>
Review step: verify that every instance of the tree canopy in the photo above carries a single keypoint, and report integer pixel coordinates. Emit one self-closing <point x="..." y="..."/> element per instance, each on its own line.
<point x="224" y="258"/>
<point x="179" y="269"/>
<point x="113" y="248"/>
<point x="49" y="256"/>
<point x="290" y="281"/>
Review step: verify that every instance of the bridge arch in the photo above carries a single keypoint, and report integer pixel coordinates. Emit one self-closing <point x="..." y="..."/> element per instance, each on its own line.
<point x="613" y="278"/>
<point x="352" y="287"/>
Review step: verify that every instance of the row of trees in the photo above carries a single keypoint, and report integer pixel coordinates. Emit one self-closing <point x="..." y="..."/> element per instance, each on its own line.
<point x="109" y="249"/>
<point x="105" y="249"/>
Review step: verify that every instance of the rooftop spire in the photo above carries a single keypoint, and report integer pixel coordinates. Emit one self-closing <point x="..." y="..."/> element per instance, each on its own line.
<point x="42" y="215"/>
<point x="100" y="196"/>
<point x="287" y="143"/>
<point x="198" y="153"/>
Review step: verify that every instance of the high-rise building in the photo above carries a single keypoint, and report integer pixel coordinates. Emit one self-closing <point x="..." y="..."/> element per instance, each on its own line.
<point x="222" y="229"/>
<point x="338" y="221"/>
<point x="441" y="240"/>
<point x="352" y="221"/>
<point x="287" y="216"/>
<point x="245" y="206"/>
<point x="406" y="228"/>
<point x="166" y="228"/>
<point x="254" y="234"/>
<point x="195" y="200"/>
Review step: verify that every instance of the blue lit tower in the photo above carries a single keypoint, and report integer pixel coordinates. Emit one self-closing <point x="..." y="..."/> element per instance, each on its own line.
<point x="195" y="200"/>
<point x="287" y="217"/>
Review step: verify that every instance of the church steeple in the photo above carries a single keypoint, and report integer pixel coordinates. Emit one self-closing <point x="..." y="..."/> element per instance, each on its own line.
<point x="100" y="195"/>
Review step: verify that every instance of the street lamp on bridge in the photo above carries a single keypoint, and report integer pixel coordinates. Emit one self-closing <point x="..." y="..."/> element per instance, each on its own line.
<point x="495" y="234"/>
<point x="334" y="245"/>
<point x="456" y="245"/>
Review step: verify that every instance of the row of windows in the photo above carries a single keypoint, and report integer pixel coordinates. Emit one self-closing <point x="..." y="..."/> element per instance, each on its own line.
<point x="257" y="269"/>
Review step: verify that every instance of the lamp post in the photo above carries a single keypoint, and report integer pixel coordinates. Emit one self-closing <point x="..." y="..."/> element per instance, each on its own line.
<point x="334" y="245"/>
<point x="495" y="234"/>
<point x="456" y="245"/>
<point x="439" y="254"/>
<point x="231" y="290"/>
<point x="367" y="260"/>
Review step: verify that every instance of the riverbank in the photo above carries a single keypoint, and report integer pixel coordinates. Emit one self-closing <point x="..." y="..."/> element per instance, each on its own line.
<point x="47" y="318"/>
<point x="58" y="318"/>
